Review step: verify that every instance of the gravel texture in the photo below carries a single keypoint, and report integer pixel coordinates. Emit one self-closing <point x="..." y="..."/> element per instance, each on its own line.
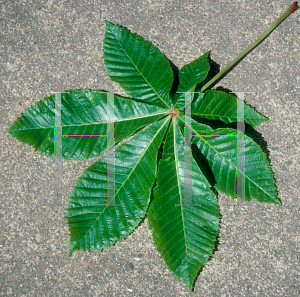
<point x="56" y="45"/>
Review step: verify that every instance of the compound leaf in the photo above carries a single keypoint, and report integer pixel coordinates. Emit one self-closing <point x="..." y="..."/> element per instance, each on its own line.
<point x="184" y="214"/>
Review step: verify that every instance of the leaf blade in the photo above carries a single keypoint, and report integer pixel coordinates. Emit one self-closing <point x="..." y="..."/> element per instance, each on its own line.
<point x="201" y="128"/>
<point x="96" y="227"/>
<point x="218" y="105"/>
<point x="222" y="153"/>
<point x="137" y="65"/>
<point x="184" y="235"/>
<point x="189" y="76"/>
<point x="84" y="113"/>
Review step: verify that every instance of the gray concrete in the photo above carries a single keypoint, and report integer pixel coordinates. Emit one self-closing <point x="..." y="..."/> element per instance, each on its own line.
<point x="56" y="45"/>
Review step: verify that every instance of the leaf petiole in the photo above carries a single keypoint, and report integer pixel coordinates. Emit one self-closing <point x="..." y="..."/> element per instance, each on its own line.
<point x="289" y="11"/>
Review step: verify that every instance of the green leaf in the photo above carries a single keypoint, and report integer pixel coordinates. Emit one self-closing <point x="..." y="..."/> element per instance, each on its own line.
<point x="95" y="227"/>
<point x="200" y="128"/>
<point x="184" y="214"/>
<point x="229" y="150"/>
<point x="184" y="235"/>
<point x="218" y="105"/>
<point x="137" y="65"/>
<point x="84" y="112"/>
<point x="189" y="76"/>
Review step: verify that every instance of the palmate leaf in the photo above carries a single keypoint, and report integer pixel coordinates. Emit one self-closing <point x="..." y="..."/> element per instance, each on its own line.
<point x="95" y="227"/>
<point x="218" y="105"/>
<point x="184" y="235"/>
<point x="84" y="113"/>
<point x="137" y="65"/>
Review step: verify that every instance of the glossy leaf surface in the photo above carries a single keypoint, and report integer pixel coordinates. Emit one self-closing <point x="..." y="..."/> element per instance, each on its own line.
<point x="94" y="226"/>
<point x="184" y="234"/>
<point x="220" y="147"/>
<point x="137" y="65"/>
<point x="218" y="105"/>
<point x="190" y="75"/>
<point x="84" y="116"/>
<point x="183" y="214"/>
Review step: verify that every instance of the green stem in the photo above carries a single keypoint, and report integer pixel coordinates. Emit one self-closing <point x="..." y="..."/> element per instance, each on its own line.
<point x="291" y="9"/>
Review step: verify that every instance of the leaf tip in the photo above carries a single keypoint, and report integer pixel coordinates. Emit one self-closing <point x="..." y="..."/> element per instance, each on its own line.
<point x="207" y="53"/>
<point x="73" y="247"/>
<point x="9" y="131"/>
<point x="108" y="24"/>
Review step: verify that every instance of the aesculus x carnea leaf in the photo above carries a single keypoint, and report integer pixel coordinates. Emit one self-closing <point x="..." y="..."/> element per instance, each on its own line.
<point x="183" y="214"/>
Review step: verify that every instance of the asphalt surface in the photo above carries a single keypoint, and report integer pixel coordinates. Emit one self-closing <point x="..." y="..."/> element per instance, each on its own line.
<point x="56" y="45"/>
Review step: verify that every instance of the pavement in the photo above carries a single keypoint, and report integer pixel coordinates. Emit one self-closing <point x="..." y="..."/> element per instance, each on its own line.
<point x="55" y="46"/>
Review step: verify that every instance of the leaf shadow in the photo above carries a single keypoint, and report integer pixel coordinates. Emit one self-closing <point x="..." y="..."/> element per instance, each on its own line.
<point x="215" y="124"/>
<point x="206" y="170"/>
<point x="203" y="164"/>
<point x="249" y="130"/>
<point x="175" y="83"/>
<point x="197" y="154"/>
<point x="214" y="69"/>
